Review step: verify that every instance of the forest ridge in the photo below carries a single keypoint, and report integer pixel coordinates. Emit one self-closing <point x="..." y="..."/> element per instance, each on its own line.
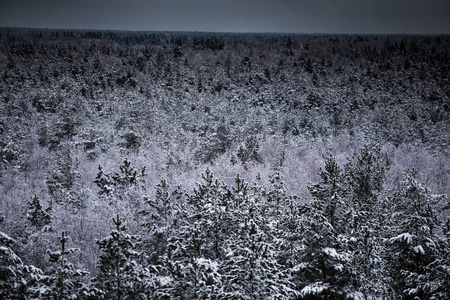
<point x="161" y="165"/>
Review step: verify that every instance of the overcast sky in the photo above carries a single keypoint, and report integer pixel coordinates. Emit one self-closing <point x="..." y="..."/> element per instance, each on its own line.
<point x="303" y="16"/>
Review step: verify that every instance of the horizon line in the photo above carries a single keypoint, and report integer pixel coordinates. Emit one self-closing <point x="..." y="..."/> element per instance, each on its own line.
<point x="223" y="32"/>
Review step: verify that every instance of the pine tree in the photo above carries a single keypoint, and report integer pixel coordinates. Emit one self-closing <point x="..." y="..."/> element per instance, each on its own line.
<point x="251" y="270"/>
<point x="364" y="221"/>
<point x="193" y="275"/>
<point x="128" y="175"/>
<point x="64" y="281"/>
<point x="366" y="263"/>
<point x="364" y="176"/>
<point x="118" y="183"/>
<point x="163" y="207"/>
<point x="160" y="219"/>
<point x="211" y="204"/>
<point x="66" y="128"/>
<point x="324" y="264"/>
<point x="104" y="182"/>
<point x="10" y="269"/>
<point x="37" y="215"/>
<point x="250" y="151"/>
<point x="17" y="281"/>
<point x="196" y="244"/>
<point x="330" y="192"/>
<point x="119" y="274"/>
<point x="414" y="244"/>
<point x="250" y="266"/>
<point x="322" y="269"/>
<point x="209" y="251"/>
<point x="289" y="233"/>
<point x="215" y="144"/>
<point x="437" y="282"/>
<point x="276" y="196"/>
<point x="282" y="212"/>
<point x="207" y="192"/>
<point x="62" y="177"/>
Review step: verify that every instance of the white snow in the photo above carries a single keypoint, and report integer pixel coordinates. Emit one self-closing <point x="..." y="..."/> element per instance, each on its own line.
<point x="164" y="280"/>
<point x="300" y="266"/>
<point x="209" y="264"/>
<point x="5" y="237"/>
<point x="339" y="267"/>
<point x="357" y="296"/>
<point x="313" y="289"/>
<point x="404" y="236"/>
<point x="419" y="249"/>
<point x="331" y="252"/>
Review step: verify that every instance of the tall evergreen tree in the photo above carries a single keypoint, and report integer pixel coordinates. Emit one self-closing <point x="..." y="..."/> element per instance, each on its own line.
<point x="37" y="215"/>
<point x="330" y="192"/>
<point x="250" y="267"/>
<point x="251" y="270"/>
<point x="119" y="274"/>
<point x="276" y="196"/>
<point x="65" y="281"/>
<point x="414" y="244"/>
<point x="160" y="219"/>
<point x="437" y="282"/>
<point x="250" y="151"/>
<point x="117" y="184"/>
<point x="196" y="244"/>
<point x="212" y="204"/>
<point x="289" y="233"/>
<point x="192" y="274"/>
<point x="323" y="269"/>
<point x="17" y="281"/>
<point x="364" y="176"/>
<point x="62" y="176"/>
<point x="214" y="144"/>
<point x="364" y="221"/>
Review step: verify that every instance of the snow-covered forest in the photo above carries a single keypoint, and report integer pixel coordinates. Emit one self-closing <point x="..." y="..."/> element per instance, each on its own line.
<point x="156" y="165"/>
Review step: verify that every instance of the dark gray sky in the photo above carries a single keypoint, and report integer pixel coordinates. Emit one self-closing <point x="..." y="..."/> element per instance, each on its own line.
<point x="305" y="16"/>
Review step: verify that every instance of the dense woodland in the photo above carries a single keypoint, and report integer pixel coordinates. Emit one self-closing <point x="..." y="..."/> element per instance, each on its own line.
<point x="157" y="165"/>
